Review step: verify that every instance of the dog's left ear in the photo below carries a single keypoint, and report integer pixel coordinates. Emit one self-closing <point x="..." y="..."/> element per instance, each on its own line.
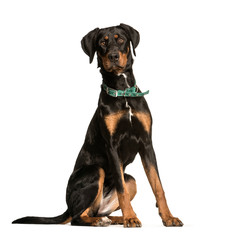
<point x="88" y="43"/>
<point x="133" y="34"/>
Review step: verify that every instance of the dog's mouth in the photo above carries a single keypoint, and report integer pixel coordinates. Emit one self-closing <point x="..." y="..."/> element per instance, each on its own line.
<point x="116" y="66"/>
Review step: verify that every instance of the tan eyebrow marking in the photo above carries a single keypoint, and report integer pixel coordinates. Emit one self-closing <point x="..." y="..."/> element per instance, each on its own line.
<point x="116" y="36"/>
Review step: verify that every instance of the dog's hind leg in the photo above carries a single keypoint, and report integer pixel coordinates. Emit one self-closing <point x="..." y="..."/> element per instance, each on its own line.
<point x="84" y="194"/>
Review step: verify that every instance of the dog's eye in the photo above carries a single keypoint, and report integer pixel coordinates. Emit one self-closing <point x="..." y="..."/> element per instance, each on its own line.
<point x="120" y="40"/>
<point x="103" y="43"/>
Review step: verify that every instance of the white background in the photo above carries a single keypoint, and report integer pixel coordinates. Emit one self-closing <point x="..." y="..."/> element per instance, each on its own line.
<point x="49" y="92"/>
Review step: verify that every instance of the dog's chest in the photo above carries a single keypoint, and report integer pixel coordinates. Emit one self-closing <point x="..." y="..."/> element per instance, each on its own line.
<point x="128" y="119"/>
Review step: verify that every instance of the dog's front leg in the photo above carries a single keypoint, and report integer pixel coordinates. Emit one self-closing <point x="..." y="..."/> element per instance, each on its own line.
<point x="150" y="165"/>
<point x="129" y="217"/>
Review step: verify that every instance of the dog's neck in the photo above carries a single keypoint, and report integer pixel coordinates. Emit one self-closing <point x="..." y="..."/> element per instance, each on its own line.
<point x="118" y="81"/>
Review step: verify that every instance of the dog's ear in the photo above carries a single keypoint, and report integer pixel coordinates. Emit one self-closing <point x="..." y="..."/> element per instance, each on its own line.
<point x="133" y="34"/>
<point x="88" y="43"/>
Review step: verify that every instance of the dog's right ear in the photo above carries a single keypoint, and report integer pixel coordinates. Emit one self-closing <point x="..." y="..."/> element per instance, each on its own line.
<point x="88" y="43"/>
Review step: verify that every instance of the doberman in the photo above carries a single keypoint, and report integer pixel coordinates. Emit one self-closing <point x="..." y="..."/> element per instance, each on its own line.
<point x="120" y="128"/>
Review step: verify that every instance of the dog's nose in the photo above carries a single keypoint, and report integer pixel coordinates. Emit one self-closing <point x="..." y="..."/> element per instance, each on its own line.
<point x="113" y="57"/>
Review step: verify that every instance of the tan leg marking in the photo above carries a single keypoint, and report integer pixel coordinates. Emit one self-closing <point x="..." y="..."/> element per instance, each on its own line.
<point x="112" y="120"/>
<point x="85" y="216"/>
<point x="95" y="205"/>
<point x="98" y="198"/>
<point x="85" y="213"/>
<point x="116" y="220"/>
<point x="145" y="119"/>
<point x="129" y="217"/>
<point x="111" y="203"/>
<point x="164" y="212"/>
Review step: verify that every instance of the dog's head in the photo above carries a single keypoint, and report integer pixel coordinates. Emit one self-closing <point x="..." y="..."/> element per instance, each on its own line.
<point x="112" y="46"/>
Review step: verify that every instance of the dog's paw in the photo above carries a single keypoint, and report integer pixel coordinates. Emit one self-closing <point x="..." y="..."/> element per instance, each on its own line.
<point x="102" y="222"/>
<point x="131" y="222"/>
<point x="172" y="222"/>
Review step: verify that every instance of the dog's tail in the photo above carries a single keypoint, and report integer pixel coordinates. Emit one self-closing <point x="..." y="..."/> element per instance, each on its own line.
<point x="61" y="219"/>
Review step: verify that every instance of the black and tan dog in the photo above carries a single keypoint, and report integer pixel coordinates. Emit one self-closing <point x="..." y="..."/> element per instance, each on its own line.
<point x="120" y="128"/>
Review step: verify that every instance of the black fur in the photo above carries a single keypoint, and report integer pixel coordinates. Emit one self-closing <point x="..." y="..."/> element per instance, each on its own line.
<point x="43" y="220"/>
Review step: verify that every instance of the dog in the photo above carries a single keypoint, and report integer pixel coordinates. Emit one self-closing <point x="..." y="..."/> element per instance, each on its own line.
<point x="120" y="128"/>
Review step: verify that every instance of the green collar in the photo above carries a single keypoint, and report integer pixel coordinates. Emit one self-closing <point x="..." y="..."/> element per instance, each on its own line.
<point x="128" y="92"/>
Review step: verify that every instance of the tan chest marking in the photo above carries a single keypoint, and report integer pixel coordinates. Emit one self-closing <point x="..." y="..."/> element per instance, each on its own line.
<point x="145" y="120"/>
<point x="112" y="120"/>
